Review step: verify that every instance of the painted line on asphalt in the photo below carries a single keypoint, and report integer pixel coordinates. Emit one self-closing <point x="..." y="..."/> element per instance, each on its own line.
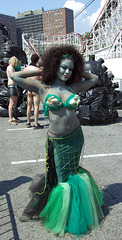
<point x="29" y="161"/>
<point x="85" y="156"/>
<point x="102" y="155"/>
<point x="19" y="129"/>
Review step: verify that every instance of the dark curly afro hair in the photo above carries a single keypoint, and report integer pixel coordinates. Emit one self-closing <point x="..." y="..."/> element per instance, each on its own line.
<point x="51" y="60"/>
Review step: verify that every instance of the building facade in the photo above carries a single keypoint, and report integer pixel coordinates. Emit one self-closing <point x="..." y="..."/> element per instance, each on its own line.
<point x="52" y="22"/>
<point x="10" y="23"/>
<point x="58" y="21"/>
<point x="28" y="22"/>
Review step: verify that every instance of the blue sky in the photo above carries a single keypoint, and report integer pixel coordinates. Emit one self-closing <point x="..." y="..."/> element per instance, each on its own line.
<point x="82" y="23"/>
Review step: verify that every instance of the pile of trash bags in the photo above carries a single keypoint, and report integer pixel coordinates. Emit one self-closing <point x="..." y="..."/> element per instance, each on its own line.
<point x="7" y="51"/>
<point x="98" y="104"/>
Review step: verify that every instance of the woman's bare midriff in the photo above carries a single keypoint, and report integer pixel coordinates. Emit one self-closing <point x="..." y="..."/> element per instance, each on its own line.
<point x="54" y="135"/>
<point x="62" y="126"/>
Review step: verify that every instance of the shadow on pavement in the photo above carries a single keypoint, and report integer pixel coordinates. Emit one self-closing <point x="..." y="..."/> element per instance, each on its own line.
<point x="7" y="185"/>
<point x="7" y="219"/>
<point x="119" y="119"/>
<point x="112" y="196"/>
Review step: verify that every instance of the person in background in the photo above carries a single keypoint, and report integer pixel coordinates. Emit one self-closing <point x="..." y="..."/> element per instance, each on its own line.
<point x="12" y="92"/>
<point x="18" y="66"/>
<point x="67" y="198"/>
<point x="32" y="97"/>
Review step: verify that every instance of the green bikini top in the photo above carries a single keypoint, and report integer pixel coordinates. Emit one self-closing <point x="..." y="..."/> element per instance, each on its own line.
<point x="53" y="102"/>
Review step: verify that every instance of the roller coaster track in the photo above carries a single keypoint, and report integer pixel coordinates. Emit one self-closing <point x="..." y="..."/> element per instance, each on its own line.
<point x="96" y="22"/>
<point x="114" y="45"/>
<point x="104" y="37"/>
<point x="38" y="41"/>
<point x="26" y="47"/>
<point x="106" y="32"/>
<point x="33" y="47"/>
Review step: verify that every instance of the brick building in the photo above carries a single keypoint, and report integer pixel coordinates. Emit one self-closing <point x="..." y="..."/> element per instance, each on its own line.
<point x="52" y="22"/>
<point x="58" y="21"/>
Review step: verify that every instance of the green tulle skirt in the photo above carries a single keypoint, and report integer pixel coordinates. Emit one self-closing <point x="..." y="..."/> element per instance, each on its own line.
<point x="75" y="198"/>
<point x="74" y="206"/>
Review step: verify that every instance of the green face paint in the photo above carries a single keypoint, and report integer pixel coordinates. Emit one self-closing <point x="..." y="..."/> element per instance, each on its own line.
<point x="65" y="69"/>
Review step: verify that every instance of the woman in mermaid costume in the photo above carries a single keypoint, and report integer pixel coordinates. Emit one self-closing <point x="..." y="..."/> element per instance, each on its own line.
<point x="66" y="198"/>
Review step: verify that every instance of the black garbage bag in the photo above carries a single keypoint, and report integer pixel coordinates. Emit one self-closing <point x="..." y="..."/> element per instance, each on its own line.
<point x="98" y="104"/>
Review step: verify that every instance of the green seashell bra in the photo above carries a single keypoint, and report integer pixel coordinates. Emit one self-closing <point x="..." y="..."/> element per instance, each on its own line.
<point x="53" y="102"/>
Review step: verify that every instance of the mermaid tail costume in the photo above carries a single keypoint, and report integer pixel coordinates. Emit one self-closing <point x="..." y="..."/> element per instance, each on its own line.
<point x="67" y="198"/>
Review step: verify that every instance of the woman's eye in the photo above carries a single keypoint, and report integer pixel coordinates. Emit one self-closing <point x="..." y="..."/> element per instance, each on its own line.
<point x="64" y="68"/>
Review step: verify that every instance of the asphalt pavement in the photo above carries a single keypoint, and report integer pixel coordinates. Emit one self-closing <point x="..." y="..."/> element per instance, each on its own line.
<point x="22" y="155"/>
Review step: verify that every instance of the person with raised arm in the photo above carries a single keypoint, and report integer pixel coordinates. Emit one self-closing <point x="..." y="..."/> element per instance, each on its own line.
<point x="67" y="198"/>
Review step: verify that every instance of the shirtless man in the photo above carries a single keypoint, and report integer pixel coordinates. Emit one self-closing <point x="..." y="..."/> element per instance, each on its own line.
<point x="12" y="91"/>
<point x="32" y="97"/>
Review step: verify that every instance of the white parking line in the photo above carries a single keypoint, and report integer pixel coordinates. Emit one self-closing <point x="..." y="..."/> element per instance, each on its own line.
<point x="102" y="155"/>
<point x="85" y="156"/>
<point x="29" y="161"/>
<point x="19" y="129"/>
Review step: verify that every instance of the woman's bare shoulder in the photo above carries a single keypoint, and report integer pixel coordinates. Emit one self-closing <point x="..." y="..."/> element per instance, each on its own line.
<point x="31" y="67"/>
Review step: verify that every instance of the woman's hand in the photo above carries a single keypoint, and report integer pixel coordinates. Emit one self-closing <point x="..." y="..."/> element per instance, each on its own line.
<point x="89" y="80"/>
<point x="90" y="76"/>
<point x="52" y="101"/>
<point x="21" y="78"/>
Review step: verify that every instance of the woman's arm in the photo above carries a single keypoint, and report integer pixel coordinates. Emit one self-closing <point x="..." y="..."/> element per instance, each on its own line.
<point x="90" y="80"/>
<point x="20" y="78"/>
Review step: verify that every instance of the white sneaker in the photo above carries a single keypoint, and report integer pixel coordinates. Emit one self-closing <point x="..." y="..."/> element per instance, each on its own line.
<point x="12" y="122"/>
<point x="15" y="120"/>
